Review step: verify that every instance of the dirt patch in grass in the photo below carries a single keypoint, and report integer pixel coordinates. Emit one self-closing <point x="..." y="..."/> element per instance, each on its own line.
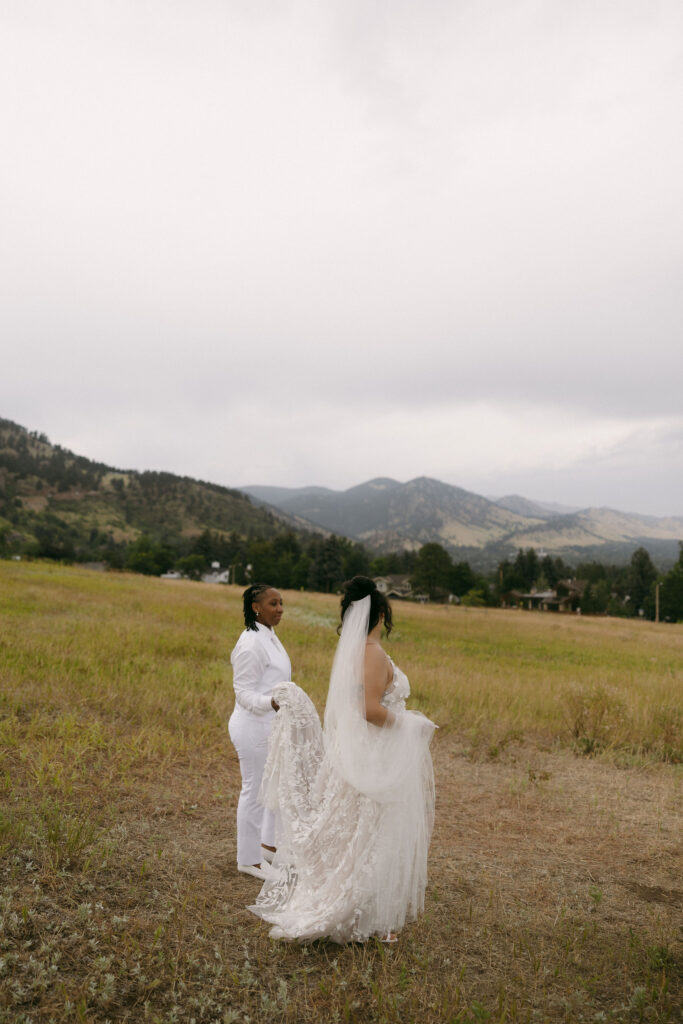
<point x="554" y="894"/>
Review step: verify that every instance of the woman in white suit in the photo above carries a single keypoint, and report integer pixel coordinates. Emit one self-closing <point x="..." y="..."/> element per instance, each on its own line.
<point x="259" y="663"/>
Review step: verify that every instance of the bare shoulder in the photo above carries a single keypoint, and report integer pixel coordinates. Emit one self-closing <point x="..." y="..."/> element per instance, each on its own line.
<point x="376" y="662"/>
<point x="374" y="654"/>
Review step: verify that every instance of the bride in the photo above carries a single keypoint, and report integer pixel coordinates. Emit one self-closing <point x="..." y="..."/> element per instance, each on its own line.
<point x="355" y="799"/>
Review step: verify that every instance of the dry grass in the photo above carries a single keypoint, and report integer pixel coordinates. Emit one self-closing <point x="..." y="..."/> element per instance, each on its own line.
<point x="555" y="879"/>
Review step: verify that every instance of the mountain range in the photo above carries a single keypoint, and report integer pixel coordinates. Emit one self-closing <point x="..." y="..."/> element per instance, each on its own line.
<point x="48" y="490"/>
<point x="387" y="515"/>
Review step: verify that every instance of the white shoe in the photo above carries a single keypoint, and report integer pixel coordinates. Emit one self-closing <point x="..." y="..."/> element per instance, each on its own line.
<point x="252" y="869"/>
<point x="267" y="854"/>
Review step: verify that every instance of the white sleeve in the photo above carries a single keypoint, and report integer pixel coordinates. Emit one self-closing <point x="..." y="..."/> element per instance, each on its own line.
<point x="248" y="665"/>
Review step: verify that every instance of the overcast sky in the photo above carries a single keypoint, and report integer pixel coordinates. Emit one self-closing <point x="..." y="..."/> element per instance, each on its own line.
<point x="317" y="242"/>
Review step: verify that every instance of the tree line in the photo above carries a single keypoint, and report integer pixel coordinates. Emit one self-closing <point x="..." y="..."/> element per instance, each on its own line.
<point x="313" y="562"/>
<point x="636" y="589"/>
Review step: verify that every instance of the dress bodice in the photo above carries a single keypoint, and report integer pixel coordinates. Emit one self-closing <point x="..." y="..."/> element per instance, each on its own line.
<point x="397" y="692"/>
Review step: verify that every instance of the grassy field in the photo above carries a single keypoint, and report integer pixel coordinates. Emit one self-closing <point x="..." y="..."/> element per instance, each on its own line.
<point x="555" y="870"/>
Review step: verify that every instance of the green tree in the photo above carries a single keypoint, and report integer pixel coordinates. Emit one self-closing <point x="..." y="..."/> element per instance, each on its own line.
<point x="301" y="572"/>
<point x="274" y="561"/>
<point x="114" y="554"/>
<point x="641" y="579"/>
<point x="148" y="557"/>
<point x="379" y="566"/>
<point x="391" y="564"/>
<point x="591" y="571"/>
<point x="356" y="561"/>
<point x="54" y="539"/>
<point x="432" y="572"/>
<point x="527" y="566"/>
<point x="596" y="598"/>
<point x="204" y="545"/>
<point x="462" y="579"/>
<point x="284" y="571"/>
<point x="671" y="592"/>
<point x="192" y="566"/>
<point x="554" y="569"/>
<point x="262" y="560"/>
<point x="508" y="578"/>
<point x="326" y="571"/>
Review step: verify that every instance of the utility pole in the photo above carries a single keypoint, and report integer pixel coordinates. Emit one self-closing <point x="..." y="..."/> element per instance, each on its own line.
<point x="657" y="586"/>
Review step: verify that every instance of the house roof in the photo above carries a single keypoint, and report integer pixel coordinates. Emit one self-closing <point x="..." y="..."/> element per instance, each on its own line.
<point x="398" y="584"/>
<point x="573" y="586"/>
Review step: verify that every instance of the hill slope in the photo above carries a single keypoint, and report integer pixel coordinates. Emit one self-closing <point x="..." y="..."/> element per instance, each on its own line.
<point x="535" y="509"/>
<point x="89" y="508"/>
<point x="601" y="525"/>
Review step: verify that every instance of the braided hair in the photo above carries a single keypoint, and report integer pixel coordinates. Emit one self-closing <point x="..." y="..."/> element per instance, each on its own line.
<point x="251" y="594"/>
<point x="360" y="587"/>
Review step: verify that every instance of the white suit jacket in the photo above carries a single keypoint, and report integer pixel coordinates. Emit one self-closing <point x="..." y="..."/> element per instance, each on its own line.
<point x="259" y="661"/>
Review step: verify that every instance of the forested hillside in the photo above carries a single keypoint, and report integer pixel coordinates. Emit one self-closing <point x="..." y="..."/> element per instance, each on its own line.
<point x="54" y="503"/>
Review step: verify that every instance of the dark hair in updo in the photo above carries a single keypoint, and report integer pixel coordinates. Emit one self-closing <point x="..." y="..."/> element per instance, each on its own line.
<point x="251" y="594"/>
<point x="360" y="587"/>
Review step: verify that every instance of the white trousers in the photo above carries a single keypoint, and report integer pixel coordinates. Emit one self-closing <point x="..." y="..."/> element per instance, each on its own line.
<point x="255" y="825"/>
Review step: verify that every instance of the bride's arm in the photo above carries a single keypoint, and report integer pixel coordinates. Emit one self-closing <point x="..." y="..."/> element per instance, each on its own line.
<point x="376" y="678"/>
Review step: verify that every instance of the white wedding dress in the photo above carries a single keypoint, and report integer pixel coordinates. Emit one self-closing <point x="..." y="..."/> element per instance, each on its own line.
<point x="356" y="809"/>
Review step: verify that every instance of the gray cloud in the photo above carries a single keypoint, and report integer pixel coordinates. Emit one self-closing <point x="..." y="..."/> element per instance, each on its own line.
<point x="328" y="212"/>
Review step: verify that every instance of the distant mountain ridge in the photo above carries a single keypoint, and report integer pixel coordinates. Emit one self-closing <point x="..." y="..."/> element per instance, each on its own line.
<point x="534" y="509"/>
<point x="388" y="515"/>
<point x="89" y="506"/>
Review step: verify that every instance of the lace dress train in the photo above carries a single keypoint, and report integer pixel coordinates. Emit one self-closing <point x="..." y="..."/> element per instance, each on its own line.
<point x="350" y="864"/>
